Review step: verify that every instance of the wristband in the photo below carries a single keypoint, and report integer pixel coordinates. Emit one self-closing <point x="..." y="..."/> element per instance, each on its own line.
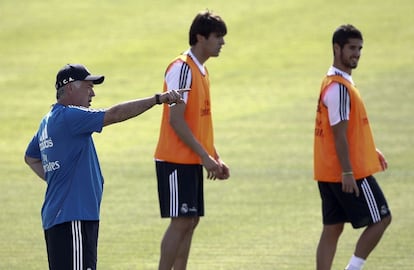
<point x="347" y="173"/>
<point x="157" y="99"/>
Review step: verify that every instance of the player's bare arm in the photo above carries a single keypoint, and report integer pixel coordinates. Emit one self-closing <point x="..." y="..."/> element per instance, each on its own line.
<point x="341" y="145"/>
<point x="183" y="131"/>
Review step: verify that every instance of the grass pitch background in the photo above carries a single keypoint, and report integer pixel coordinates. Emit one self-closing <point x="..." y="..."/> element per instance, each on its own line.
<point x="264" y="86"/>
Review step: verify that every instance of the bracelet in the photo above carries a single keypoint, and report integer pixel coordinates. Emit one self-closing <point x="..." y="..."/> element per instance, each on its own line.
<point x="347" y="173"/>
<point x="157" y="99"/>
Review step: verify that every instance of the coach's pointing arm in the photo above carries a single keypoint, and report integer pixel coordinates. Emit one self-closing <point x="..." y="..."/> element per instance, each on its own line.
<point x="129" y="109"/>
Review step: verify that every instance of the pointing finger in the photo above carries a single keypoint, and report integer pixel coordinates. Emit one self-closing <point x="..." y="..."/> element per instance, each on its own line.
<point x="183" y="90"/>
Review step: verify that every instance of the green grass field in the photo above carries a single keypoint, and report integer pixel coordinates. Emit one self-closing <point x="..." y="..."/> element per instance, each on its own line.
<point x="265" y="85"/>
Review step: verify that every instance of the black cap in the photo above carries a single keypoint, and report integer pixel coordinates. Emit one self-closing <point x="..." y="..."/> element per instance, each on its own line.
<point x="76" y="72"/>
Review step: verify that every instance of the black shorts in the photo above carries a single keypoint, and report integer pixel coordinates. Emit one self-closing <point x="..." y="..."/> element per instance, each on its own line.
<point x="340" y="207"/>
<point x="72" y="245"/>
<point x="180" y="189"/>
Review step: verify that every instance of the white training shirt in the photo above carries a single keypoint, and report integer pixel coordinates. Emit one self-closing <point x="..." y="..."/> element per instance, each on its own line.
<point x="179" y="75"/>
<point x="336" y="98"/>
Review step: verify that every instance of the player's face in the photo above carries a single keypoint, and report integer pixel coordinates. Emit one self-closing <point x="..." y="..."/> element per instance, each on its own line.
<point x="213" y="44"/>
<point x="348" y="56"/>
<point x="82" y="93"/>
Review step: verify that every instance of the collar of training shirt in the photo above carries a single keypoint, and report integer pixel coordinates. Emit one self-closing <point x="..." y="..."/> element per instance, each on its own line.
<point x="200" y="66"/>
<point x="335" y="71"/>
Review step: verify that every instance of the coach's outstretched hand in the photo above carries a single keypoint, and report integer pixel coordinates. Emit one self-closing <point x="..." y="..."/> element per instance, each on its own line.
<point x="173" y="96"/>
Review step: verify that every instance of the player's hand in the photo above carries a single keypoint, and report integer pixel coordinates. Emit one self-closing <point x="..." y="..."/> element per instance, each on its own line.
<point x="173" y="96"/>
<point x="349" y="184"/>
<point x="212" y="167"/>
<point x="224" y="171"/>
<point x="382" y="160"/>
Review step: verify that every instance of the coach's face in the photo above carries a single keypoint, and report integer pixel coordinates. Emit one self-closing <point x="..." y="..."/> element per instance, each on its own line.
<point x="82" y="93"/>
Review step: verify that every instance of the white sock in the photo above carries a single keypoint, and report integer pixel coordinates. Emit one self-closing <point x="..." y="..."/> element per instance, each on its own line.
<point x="355" y="263"/>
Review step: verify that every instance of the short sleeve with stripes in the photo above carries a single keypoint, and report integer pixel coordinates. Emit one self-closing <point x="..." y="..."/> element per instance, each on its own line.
<point x="337" y="100"/>
<point x="178" y="76"/>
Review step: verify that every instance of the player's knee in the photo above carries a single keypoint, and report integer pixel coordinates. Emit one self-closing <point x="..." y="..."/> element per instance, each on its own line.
<point x="386" y="221"/>
<point x="196" y="221"/>
<point x="333" y="230"/>
<point x="185" y="223"/>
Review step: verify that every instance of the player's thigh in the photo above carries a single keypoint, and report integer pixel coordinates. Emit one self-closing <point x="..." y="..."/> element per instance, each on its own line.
<point x="180" y="189"/>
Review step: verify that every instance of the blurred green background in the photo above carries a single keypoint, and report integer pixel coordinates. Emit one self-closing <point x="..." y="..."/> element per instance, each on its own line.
<point x="264" y="85"/>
